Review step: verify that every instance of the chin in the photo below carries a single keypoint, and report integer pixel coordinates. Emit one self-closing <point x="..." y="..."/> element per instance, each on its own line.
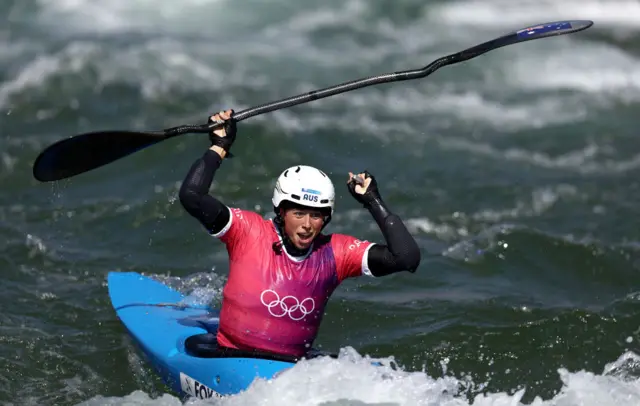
<point x="303" y="246"/>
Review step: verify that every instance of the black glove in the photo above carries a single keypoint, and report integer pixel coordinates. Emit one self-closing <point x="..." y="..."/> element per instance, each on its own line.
<point x="226" y="141"/>
<point x="370" y="196"/>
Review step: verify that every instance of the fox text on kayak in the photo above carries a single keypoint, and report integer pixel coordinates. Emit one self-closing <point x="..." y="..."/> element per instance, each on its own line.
<point x="196" y="389"/>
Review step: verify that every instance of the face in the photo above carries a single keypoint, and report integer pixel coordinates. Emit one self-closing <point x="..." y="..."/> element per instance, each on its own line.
<point x="302" y="225"/>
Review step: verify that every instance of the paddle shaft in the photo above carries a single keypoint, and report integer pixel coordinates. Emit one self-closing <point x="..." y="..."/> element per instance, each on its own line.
<point x="84" y="152"/>
<point x="523" y="35"/>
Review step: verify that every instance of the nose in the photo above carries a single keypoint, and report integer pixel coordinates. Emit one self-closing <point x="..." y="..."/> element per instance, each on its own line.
<point x="307" y="221"/>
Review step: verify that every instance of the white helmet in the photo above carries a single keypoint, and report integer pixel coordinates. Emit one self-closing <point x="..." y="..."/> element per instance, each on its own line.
<point x="306" y="186"/>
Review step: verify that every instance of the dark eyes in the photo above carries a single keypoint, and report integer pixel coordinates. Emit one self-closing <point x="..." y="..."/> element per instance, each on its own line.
<point x="301" y="214"/>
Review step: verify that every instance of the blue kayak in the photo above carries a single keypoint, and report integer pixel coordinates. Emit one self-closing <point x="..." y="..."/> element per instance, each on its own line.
<point x="179" y="341"/>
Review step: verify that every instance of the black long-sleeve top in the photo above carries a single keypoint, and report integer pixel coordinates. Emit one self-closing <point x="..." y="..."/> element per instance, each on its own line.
<point x="401" y="252"/>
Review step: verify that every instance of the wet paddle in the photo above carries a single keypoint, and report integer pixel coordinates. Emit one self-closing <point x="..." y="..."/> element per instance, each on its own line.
<point x="84" y="152"/>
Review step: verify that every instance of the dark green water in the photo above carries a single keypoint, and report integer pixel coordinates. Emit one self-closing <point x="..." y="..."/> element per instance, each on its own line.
<point x="517" y="172"/>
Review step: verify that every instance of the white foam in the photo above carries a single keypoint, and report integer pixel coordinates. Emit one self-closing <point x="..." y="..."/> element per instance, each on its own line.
<point x="365" y="113"/>
<point x="474" y="248"/>
<point x="156" y="67"/>
<point x="8" y="162"/>
<point x="587" y="388"/>
<point x="124" y="15"/>
<point x="36" y="245"/>
<point x="284" y="34"/>
<point x="442" y="231"/>
<point x="407" y="40"/>
<point x="590" y="69"/>
<point x="470" y="247"/>
<point x="494" y="14"/>
<point x="159" y="66"/>
<point x="71" y="60"/>
<point x="542" y="199"/>
<point x="9" y="51"/>
<point x="563" y="63"/>
<point x="583" y="160"/>
<point x="137" y="397"/>
<point x="308" y="21"/>
<point x="473" y="107"/>
<point x="199" y="289"/>
<point x="353" y="380"/>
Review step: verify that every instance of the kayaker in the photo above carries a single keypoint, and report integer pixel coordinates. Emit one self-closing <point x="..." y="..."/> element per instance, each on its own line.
<point x="282" y="271"/>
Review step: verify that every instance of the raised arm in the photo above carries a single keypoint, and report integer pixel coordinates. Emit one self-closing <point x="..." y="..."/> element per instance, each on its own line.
<point x="401" y="252"/>
<point x="194" y="192"/>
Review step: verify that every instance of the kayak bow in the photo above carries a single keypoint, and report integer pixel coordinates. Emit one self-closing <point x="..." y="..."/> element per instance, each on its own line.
<point x="179" y="340"/>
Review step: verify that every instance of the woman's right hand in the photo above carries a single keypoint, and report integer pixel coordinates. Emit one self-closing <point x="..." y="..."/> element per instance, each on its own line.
<point x="226" y="135"/>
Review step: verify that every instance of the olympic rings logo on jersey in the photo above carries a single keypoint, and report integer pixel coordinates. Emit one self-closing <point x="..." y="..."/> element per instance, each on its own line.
<point x="288" y="305"/>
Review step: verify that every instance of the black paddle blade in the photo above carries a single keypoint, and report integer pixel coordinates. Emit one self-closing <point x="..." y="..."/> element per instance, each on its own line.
<point x="84" y="152"/>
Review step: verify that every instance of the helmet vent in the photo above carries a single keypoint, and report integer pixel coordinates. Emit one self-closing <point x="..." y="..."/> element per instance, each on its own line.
<point x="323" y="174"/>
<point x="285" y="173"/>
<point x="323" y="201"/>
<point x="298" y="169"/>
<point x="295" y="197"/>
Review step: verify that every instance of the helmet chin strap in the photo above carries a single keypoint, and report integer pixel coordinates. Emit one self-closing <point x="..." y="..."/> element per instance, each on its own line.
<point x="327" y="220"/>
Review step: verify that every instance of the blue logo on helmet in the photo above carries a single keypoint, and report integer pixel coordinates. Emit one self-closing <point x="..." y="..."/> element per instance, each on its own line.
<point x="313" y="192"/>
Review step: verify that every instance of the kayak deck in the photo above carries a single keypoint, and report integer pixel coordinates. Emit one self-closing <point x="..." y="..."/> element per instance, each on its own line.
<point x="179" y="340"/>
<point x="160" y="323"/>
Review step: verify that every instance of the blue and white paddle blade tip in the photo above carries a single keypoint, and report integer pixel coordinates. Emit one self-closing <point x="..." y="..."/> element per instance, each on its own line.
<point x="554" y="28"/>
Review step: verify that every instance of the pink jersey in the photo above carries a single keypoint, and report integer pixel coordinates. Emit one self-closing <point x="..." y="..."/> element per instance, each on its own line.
<point x="275" y="302"/>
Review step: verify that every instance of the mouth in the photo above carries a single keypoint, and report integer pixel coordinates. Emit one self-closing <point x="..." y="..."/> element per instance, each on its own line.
<point x="305" y="238"/>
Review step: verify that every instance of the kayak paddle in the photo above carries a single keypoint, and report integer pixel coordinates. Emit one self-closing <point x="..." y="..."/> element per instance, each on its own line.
<point x="84" y="152"/>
